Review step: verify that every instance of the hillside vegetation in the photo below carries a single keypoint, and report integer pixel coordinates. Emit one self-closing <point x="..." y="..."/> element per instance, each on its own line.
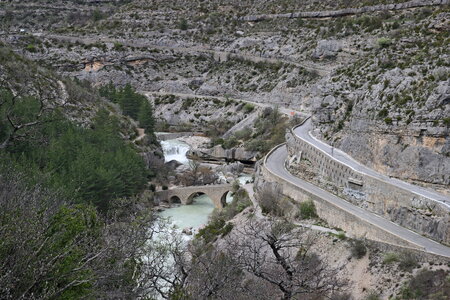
<point x="70" y="180"/>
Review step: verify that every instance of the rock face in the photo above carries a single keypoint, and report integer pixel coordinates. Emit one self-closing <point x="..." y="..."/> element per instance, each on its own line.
<point x="194" y="112"/>
<point x="382" y="97"/>
<point x="408" y="139"/>
<point x="347" y="11"/>
<point x="327" y="49"/>
<point x="219" y="153"/>
<point x="187" y="231"/>
<point x="235" y="168"/>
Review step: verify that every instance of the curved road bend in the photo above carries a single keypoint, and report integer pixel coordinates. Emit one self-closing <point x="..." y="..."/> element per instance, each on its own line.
<point x="303" y="132"/>
<point x="275" y="164"/>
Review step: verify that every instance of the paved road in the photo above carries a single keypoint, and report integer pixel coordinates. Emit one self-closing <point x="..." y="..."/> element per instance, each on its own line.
<point x="275" y="164"/>
<point x="304" y="133"/>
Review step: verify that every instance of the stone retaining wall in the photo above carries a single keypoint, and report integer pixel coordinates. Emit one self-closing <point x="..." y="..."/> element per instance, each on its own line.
<point x="336" y="216"/>
<point x="408" y="209"/>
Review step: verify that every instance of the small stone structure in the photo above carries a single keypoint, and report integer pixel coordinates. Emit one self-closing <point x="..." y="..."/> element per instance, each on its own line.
<point x="185" y="195"/>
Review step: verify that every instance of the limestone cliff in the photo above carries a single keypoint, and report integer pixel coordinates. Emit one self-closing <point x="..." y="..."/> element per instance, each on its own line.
<point x="376" y="81"/>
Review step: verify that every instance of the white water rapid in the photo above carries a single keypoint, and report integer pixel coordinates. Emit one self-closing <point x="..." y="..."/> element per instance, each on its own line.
<point x="175" y="150"/>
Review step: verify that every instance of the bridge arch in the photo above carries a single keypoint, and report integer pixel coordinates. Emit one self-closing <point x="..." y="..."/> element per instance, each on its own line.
<point x="175" y="199"/>
<point x="223" y="198"/>
<point x="190" y="198"/>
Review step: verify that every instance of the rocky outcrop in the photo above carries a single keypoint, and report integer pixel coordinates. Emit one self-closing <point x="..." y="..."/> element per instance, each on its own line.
<point x="347" y="11"/>
<point x="234" y="168"/>
<point x="219" y="153"/>
<point x="327" y="49"/>
<point x="409" y="141"/>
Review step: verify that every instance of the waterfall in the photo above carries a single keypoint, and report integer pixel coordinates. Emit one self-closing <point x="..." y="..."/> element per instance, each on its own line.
<point x="175" y="150"/>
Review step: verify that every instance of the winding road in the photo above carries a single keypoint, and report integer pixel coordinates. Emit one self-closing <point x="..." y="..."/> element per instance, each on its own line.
<point x="304" y="132"/>
<point x="275" y="163"/>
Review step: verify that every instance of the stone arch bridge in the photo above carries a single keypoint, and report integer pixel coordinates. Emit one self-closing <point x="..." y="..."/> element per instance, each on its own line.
<point x="185" y="195"/>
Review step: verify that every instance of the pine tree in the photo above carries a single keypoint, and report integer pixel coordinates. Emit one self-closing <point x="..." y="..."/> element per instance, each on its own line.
<point x="130" y="102"/>
<point x="146" y="119"/>
<point x="110" y="92"/>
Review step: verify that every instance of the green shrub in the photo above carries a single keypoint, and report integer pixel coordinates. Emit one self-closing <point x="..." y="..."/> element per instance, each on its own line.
<point x="390" y="258"/>
<point x="383" y="113"/>
<point x="395" y="25"/>
<point x="446" y="121"/>
<point x="31" y="48"/>
<point x="118" y="47"/>
<point x="218" y="141"/>
<point x="384" y="42"/>
<point x="248" y="107"/>
<point x="215" y="228"/>
<point x="183" y="24"/>
<point x="97" y="15"/>
<point x="187" y="103"/>
<point x="388" y="120"/>
<point x="230" y="143"/>
<point x="243" y="134"/>
<point x="408" y="262"/>
<point x="358" y="248"/>
<point x="341" y="235"/>
<point x="308" y="210"/>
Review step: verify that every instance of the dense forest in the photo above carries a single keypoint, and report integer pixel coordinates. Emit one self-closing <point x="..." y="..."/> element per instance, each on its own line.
<point x="69" y="229"/>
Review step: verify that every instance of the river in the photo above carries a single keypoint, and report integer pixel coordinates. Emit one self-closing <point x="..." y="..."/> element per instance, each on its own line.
<point x="194" y="215"/>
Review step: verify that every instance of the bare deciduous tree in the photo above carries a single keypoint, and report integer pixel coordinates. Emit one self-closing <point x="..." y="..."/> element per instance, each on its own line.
<point x="279" y="254"/>
<point x="197" y="175"/>
<point x="213" y="275"/>
<point x="164" y="265"/>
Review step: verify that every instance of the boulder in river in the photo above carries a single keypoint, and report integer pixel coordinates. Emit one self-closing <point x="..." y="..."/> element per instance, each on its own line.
<point x="187" y="230"/>
<point x="173" y="164"/>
